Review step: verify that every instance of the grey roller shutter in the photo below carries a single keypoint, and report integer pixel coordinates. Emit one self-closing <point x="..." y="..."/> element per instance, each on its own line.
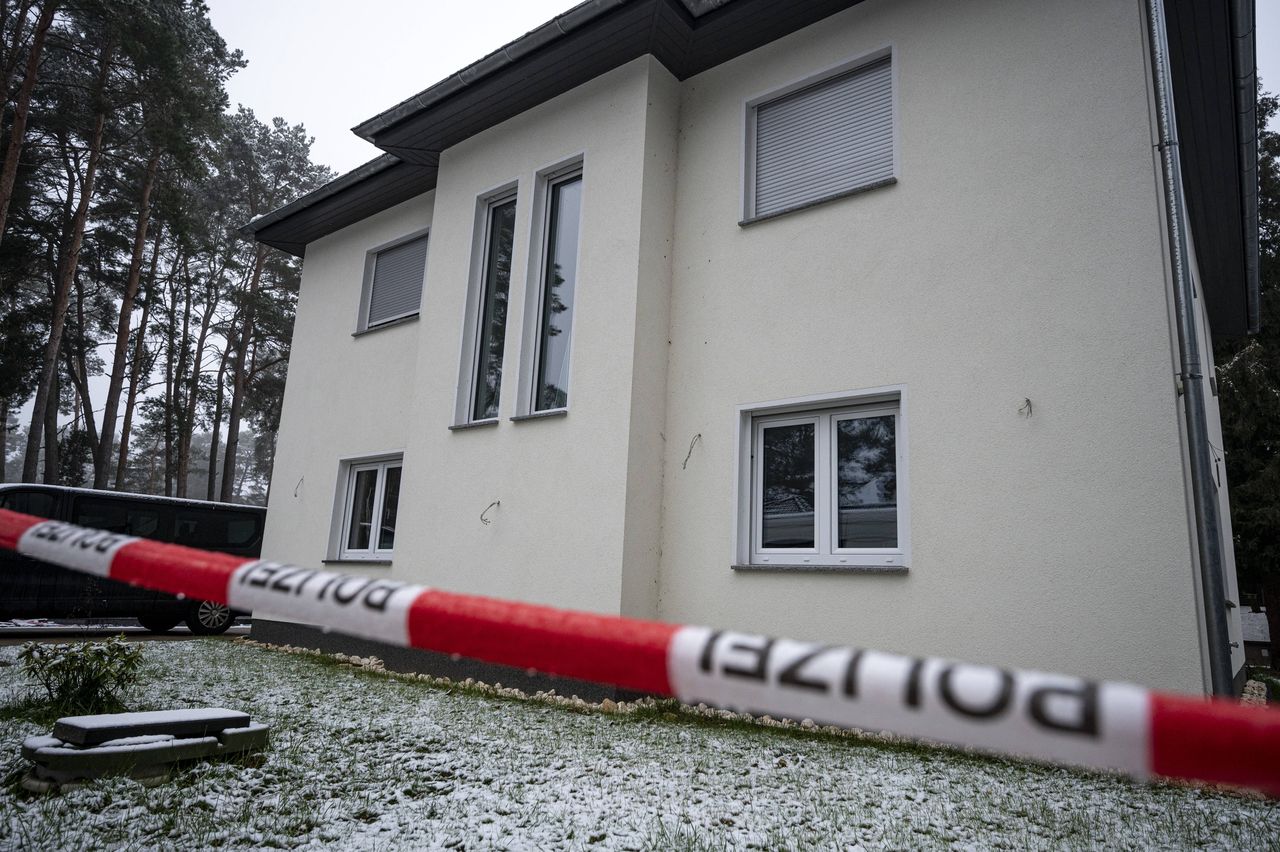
<point x="824" y="140"/>
<point x="396" y="289"/>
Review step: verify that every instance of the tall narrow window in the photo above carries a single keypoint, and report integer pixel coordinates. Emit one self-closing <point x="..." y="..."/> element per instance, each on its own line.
<point x="559" y="283"/>
<point x="369" y="510"/>
<point x="492" y="316"/>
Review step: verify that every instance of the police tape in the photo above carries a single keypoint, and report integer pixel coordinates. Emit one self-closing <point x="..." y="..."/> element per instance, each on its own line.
<point x="1046" y="717"/>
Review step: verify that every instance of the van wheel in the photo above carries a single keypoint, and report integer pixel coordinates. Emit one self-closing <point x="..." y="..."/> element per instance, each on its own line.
<point x="209" y="619"/>
<point x="158" y="623"/>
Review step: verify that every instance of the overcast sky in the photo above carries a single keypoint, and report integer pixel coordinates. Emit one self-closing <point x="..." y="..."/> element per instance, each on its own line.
<point x="331" y="65"/>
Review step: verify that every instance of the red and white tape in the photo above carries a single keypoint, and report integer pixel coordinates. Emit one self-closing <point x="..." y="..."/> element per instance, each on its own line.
<point x="1046" y="717"/>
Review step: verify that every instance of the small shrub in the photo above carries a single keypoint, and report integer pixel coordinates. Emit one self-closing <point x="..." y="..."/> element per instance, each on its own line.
<point x="86" y="677"/>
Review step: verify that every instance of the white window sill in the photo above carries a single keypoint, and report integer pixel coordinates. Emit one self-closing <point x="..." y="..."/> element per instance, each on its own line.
<point x="349" y="561"/>
<point x="824" y="569"/>
<point x="538" y="415"/>
<point x="388" y="324"/>
<point x="857" y="190"/>
<point x="474" y="424"/>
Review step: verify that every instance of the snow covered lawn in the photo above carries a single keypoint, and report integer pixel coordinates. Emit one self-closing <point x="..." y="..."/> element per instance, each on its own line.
<point x="360" y="759"/>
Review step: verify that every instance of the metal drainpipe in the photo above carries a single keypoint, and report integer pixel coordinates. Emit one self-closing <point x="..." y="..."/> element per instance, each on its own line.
<point x="1204" y="499"/>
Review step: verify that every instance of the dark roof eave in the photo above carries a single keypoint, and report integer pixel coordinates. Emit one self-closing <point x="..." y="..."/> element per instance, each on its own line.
<point x="527" y="44"/>
<point x="361" y="173"/>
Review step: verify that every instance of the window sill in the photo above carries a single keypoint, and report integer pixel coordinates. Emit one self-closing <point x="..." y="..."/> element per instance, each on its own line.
<point x="375" y="562"/>
<point x="539" y="415"/>
<point x="380" y="326"/>
<point x="474" y="424"/>
<point x="825" y="569"/>
<point x="751" y="220"/>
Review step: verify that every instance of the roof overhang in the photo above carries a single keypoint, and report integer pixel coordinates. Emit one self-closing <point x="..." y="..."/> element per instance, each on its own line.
<point x="1211" y="47"/>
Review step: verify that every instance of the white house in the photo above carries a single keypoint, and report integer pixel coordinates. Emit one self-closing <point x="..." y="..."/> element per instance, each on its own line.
<point x="884" y="323"/>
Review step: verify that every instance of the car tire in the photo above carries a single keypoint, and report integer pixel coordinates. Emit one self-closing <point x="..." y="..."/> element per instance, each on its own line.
<point x="208" y="618"/>
<point x="158" y="623"/>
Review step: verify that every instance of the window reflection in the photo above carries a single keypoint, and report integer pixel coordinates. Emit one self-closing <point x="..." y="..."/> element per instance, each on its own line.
<point x="559" y="284"/>
<point x="493" y="322"/>
<point x="788" y="507"/>
<point x="362" y="510"/>
<point x="390" y="500"/>
<point x="867" y="482"/>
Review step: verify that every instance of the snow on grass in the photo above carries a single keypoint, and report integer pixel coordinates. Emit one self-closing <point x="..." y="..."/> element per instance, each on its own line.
<point x="360" y="760"/>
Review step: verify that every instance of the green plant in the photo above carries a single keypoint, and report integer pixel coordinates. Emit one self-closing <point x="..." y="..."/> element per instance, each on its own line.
<point x="85" y="677"/>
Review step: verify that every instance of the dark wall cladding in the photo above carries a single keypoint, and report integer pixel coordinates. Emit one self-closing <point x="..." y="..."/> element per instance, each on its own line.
<point x="1204" y="103"/>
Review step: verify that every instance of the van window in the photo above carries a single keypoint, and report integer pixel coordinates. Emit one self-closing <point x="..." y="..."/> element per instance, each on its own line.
<point x="117" y="516"/>
<point x="212" y="528"/>
<point x="38" y="503"/>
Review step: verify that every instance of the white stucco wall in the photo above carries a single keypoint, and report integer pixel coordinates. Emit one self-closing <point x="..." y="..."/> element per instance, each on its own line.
<point x="1018" y="256"/>
<point x="346" y="396"/>
<point x="558" y="535"/>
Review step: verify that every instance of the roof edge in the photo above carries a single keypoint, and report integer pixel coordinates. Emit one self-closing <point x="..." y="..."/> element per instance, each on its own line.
<point x="333" y="187"/>
<point x="528" y="43"/>
<point x="1244" y="55"/>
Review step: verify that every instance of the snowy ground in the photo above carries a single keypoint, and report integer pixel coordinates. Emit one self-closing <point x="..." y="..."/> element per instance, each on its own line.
<point x="366" y="761"/>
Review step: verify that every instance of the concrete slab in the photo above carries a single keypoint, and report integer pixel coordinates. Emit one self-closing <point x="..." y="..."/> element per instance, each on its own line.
<point x="197" y="722"/>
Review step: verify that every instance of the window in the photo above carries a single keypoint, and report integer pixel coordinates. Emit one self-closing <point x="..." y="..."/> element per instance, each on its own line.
<point x="393" y="281"/>
<point x="118" y="516"/>
<point x="214" y="529"/>
<point x="556" y="291"/>
<point x="487" y="317"/>
<point x="820" y="139"/>
<point x="369" y="510"/>
<point x="826" y="485"/>
<point x="38" y="503"/>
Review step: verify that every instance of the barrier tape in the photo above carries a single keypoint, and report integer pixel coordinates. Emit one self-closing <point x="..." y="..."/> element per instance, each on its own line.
<point x="1047" y="717"/>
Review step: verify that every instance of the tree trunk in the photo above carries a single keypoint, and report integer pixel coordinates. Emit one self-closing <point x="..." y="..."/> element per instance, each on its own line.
<point x="182" y="431"/>
<point x="135" y="366"/>
<point x="66" y="274"/>
<point x="4" y="436"/>
<point x="102" y="459"/>
<point x="21" y="106"/>
<point x="78" y="372"/>
<point x="193" y="391"/>
<point x="49" y="426"/>
<point x="168" y="392"/>
<point x="215" y="432"/>
<point x="238" y="378"/>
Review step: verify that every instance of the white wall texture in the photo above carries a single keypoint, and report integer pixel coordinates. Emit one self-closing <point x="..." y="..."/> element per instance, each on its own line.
<point x="1019" y="255"/>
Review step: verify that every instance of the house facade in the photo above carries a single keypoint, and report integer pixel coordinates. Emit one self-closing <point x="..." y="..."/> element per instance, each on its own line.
<point x="846" y="321"/>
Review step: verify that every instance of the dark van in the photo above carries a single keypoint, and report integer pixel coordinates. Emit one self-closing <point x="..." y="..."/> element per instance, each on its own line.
<point x="30" y="588"/>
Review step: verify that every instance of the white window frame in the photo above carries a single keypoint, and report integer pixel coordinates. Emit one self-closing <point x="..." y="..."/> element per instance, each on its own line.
<point x="464" y="409"/>
<point x="350" y="469"/>
<point x="366" y="290"/>
<point x="821" y="410"/>
<point x="535" y="289"/>
<point x="752" y="103"/>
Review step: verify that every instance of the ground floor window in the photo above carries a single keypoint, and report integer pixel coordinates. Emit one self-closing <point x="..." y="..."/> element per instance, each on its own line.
<point x="824" y="484"/>
<point x="369" y="509"/>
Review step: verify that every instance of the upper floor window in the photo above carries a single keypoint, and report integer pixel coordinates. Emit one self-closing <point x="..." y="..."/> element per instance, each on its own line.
<point x="819" y="139"/>
<point x="485" y="335"/>
<point x="393" y="281"/>
<point x="558" y="282"/>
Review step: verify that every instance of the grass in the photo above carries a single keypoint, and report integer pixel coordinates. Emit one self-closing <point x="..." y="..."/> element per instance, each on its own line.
<point x="363" y="760"/>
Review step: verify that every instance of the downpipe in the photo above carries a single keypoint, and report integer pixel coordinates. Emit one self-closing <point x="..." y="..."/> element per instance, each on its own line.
<point x="1204" y="498"/>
